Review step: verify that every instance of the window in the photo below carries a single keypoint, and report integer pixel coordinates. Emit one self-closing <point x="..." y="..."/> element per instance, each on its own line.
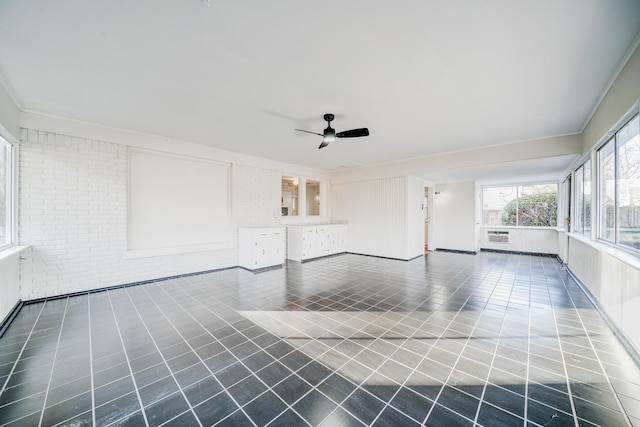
<point x="313" y="197"/>
<point x="302" y="196"/>
<point x="583" y="199"/>
<point x="533" y="205"/>
<point x="607" y="190"/>
<point x="619" y="184"/>
<point x="289" y="199"/>
<point x="5" y="193"/>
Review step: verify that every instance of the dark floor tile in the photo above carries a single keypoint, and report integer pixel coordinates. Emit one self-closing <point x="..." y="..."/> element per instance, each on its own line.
<point x="336" y="387"/>
<point x="165" y="409"/>
<point x="186" y="419"/>
<point x="209" y="350"/>
<point x="183" y="361"/>
<point x="66" y="391"/>
<point x="314" y="373"/>
<point x="247" y="389"/>
<point x="389" y="417"/>
<point x="441" y="416"/>
<point x="264" y="408"/>
<point x="232" y="374"/>
<point x="215" y="409"/>
<point x="292" y="389"/>
<point x="220" y="361"/>
<point x="546" y="415"/>
<point x="411" y="404"/>
<point x="157" y="390"/>
<point x="363" y="405"/>
<point x="111" y="374"/>
<point x="67" y="409"/>
<point x="202" y="390"/>
<point x="314" y="407"/>
<point x="458" y="402"/>
<point x="493" y="416"/>
<point x="151" y="374"/>
<point x="258" y="360"/>
<point x="598" y="414"/>
<point x="295" y="360"/>
<point x="504" y="399"/>
<point x="238" y="419"/>
<point x="191" y="375"/>
<point x="289" y="419"/>
<point x="550" y="397"/>
<point x="19" y="409"/>
<point x="116" y="409"/>
<point x="279" y="349"/>
<point x="273" y="374"/>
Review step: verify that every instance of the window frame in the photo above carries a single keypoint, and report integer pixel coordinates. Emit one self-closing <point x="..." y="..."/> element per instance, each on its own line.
<point x="518" y="189"/>
<point x="10" y="199"/>
<point x="582" y="176"/>
<point x="612" y="140"/>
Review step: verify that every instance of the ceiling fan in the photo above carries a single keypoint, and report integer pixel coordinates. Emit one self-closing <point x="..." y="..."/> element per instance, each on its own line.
<point x="329" y="135"/>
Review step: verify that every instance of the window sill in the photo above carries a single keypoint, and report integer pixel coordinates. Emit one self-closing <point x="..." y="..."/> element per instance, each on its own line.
<point x="627" y="257"/>
<point x="520" y="227"/>
<point x="11" y="250"/>
<point x="147" y="253"/>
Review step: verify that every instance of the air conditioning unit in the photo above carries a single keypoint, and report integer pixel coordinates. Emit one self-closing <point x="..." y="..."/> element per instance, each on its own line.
<point x="498" y="236"/>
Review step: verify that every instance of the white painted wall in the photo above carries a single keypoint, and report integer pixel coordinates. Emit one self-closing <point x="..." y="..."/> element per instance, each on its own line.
<point x="9" y="259"/>
<point x="454" y="216"/>
<point x="378" y="215"/>
<point x="613" y="277"/>
<point x="522" y="239"/>
<point x="9" y="275"/>
<point x="73" y="214"/>
<point x="415" y="217"/>
<point x="9" y="116"/>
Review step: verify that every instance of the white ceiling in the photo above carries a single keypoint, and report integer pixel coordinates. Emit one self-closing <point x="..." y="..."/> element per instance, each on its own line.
<point x="425" y="77"/>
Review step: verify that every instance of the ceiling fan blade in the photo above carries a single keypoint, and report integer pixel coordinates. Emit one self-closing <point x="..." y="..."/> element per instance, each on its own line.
<point x="324" y="144"/>
<point x="353" y="133"/>
<point x="315" y="133"/>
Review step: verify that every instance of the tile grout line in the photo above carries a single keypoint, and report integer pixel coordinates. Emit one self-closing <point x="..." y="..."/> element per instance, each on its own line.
<point x="225" y="390"/>
<point x="564" y="364"/>
<point x="15" y="364"/>
<point x="155" y="344"/>
<point x="124" y="351"/>
<point x="93" y="390"/>
<point x="595" y="352"/>
<point x="53" y="364"/>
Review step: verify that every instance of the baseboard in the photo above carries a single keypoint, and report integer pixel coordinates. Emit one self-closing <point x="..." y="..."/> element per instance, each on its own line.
<point x="626" y="343"/>
<point x="504" y="251"/>
<point x="457" y="251"/>
<point x="126" y="285"/>
<point x="6" y="322"/>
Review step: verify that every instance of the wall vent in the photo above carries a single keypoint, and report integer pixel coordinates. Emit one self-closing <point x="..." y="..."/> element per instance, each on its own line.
<point x="498" y="236"/>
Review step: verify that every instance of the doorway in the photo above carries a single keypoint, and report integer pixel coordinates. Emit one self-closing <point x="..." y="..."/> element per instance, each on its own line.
<point x="427" y="219"/>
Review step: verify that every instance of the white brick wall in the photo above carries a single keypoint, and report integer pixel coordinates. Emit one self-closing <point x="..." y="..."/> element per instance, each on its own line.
<point x="73" y="213"/>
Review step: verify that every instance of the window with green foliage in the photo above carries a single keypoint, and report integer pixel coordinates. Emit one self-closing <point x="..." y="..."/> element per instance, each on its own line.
<point x="619" y="187"/>
<point x="533" y="205"/>
<point x="582" y="223"/>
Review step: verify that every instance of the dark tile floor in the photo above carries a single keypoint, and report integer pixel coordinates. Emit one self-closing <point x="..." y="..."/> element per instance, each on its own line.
<point x="444" y="340"/>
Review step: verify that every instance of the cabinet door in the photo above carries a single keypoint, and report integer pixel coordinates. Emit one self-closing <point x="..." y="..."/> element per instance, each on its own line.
<point x="277" y="247"/>
<point x="324" y="240"/>
<point x="309" y="242"/>
<point x="263" y="250"/>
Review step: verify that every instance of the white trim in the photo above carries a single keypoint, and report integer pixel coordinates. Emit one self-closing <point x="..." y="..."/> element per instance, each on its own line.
<point x="147" y="253"/>
<point x="612" y="80"/>
<point x="50" y="123"/>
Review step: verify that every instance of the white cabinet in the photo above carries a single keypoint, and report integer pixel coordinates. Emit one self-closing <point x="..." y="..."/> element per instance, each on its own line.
<point x="261" y="247"/>
<point x="313" y="241"/>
